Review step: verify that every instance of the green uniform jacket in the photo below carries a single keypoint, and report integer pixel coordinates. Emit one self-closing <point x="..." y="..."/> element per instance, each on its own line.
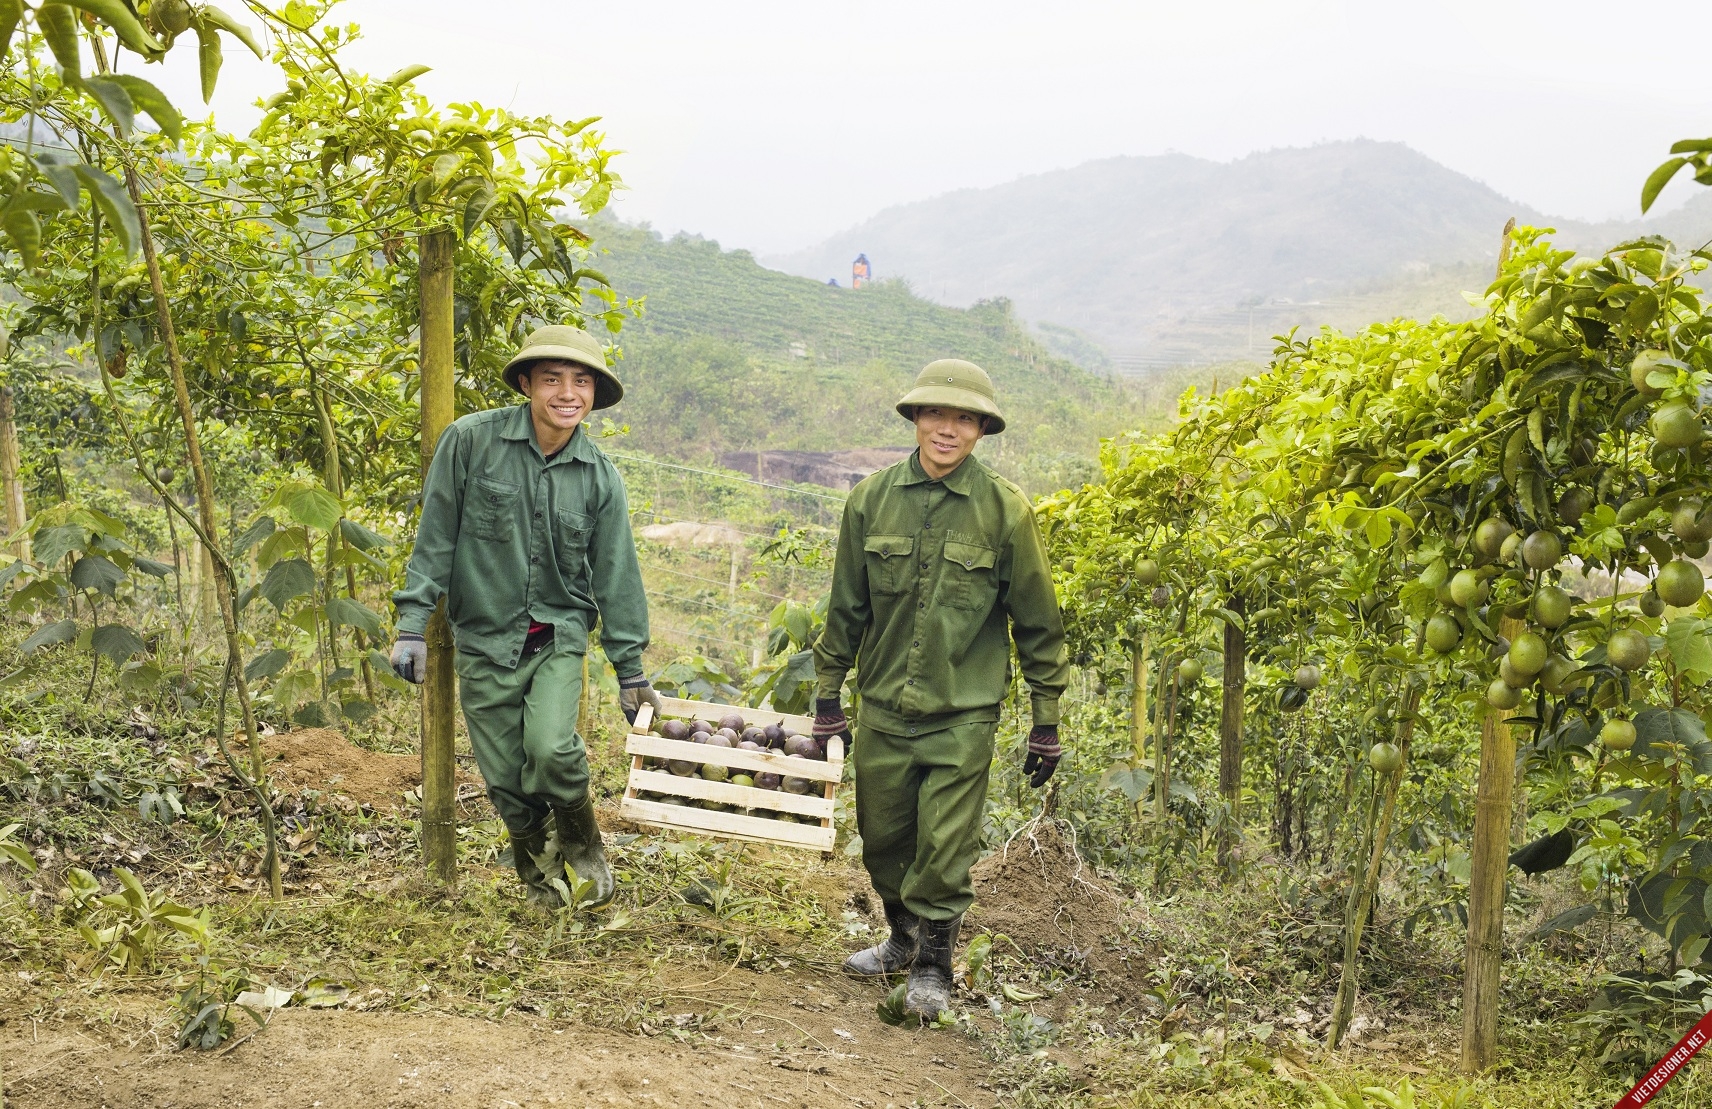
<point x="927" y="577"/>
<point x="508" y="537"/>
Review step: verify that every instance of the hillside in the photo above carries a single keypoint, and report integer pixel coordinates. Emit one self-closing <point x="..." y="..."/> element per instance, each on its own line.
<point x="731" y="356"/>
<point x="1174" y="259"/>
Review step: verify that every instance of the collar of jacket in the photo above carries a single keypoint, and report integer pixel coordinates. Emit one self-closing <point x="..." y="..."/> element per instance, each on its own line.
<point x="957" y="480"/>
<point x="520" y="427"/>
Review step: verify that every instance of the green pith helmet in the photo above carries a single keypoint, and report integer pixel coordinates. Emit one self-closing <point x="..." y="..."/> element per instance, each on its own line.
<point x="954" y="383"/>
<point x="564" y="343"/>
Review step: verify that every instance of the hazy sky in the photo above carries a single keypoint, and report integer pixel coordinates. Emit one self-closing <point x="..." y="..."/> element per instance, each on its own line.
<point x="770" y="125"/>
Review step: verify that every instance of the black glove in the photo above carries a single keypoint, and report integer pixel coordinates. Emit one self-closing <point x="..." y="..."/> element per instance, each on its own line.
<point x="830" y="722"/>
<point x="1043" y="754"/>
<point x="633" y="693"/>
<point x="410" y="658"/>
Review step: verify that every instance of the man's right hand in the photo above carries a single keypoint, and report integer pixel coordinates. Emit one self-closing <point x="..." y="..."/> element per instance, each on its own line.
<point x="829" y="721"/>
<point x="410" y="658"/>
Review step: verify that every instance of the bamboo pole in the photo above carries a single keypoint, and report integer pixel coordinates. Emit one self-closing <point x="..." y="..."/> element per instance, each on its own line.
<point x="1230" y="731"/>
<point x="439" y="688"/>
<point x="9" y="460"/>
<point x="1489" y="864"/>
<point x="1138" y="650"/>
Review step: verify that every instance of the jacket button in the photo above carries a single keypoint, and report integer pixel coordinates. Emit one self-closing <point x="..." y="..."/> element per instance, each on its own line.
<point x="534" y="558"/>
<point x="969" y="565"/>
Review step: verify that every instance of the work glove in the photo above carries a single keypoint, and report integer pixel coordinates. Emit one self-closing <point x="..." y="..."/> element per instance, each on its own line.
<point x="410" y="657"/>
<point x="633" y="693"/>
<point x="829" y="721"/>
<point x="1043" y="754"/>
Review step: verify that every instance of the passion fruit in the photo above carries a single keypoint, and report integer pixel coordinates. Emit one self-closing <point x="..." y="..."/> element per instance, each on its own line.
<point x="1628" y="649"/>
<point x="1444" y="634"/>
<point x="1528" y="653"/>
<point x="1617" y="735"/>
<point x="1696" y="548"/>
<point x="1507" y="553"/>
<point x="1146" y="571"/>
<point x="1307" y="676"/>
<point x="1385" y="758"/>
<point x="1542" y="550"/>
<point x="1467" y="588"/>
<point x="1679" y="583"/>
<point x="1645" y="362"/>
<point x="1510" y="676"/>
<point x="1652" y="604"/>
<point x="1553" y="606"/>
<point x="1490" y="535"/>
<point x="1189" y="671"/>
<point x="1160" y="596"/>
<point x="1502" y="696"/>
<point x="1676" y="424"/>
<point x="1573" y="505"/>
<point x="1687" y="523"/>
<point x="1558" y="675"/>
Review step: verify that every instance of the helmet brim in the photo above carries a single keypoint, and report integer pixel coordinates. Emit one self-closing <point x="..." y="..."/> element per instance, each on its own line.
<point x="947" y="396"/>
<point x="608" y="390"/>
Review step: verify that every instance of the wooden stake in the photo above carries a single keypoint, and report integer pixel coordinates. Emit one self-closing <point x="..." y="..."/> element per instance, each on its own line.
<point x="1138" y="709"/>
<point x="1489" y="866"/>
<point x="439" y="689"/>
<point x="9" y="455"/>
<point x="1230" y="730"/>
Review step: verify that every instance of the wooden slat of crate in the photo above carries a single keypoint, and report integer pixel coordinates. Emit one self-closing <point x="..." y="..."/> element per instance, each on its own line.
<point x="744" y="797"/>
<point x="759" y="762"/>
<point x="733" y="825"/>
<point x="707" y="710"/>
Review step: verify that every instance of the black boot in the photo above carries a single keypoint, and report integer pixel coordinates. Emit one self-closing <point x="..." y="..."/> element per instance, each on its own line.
<point x="579" y="844"/>
<point x="536" y="857"/>
<point x="896" y="954"/>
<point x="930" y="978"/>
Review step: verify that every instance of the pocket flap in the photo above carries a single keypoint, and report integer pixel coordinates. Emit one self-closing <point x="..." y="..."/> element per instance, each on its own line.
<point x="970" y="556"/>
<point x="494" y="491"/>
<point x="576" y="521"/>
<point x="888" y="545"/>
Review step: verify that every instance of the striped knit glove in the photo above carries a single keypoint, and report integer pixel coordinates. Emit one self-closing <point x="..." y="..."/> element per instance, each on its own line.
<point x="634" y="692"/>
<point x="1043" y="754"/>
<point x="829" y="721"/>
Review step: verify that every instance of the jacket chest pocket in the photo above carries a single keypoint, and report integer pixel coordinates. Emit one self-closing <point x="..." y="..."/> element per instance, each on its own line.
<point x="491" y="509"/>
<point x="967" y="580"/>
<point x="571" y="541"/>
<point x="888" y="560"/>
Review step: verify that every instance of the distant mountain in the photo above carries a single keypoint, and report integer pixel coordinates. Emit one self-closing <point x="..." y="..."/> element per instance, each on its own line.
<point x="1174" y="259"/>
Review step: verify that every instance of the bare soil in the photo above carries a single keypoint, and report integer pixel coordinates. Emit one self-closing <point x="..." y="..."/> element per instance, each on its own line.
<point x="324" y="760"/>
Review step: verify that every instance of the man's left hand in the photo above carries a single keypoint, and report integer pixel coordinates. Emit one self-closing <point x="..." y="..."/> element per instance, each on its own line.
<point x="1043" y="754"/>
<point x="635" y="692"/>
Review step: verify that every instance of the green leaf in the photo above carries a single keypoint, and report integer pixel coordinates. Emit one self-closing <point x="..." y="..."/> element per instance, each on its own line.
<point x="116" y="643"/>
<point x="362" y="538"/>
<point x="115" y="205"/>
<point x="25" y="231"/>
<point x="209" y="57"/>
<point x="59" y="169"/>
<point x="1690" y="646"/>
<point x="267" y="664"/>
<point x="343" y="612"/>
<point x="211" y="16"/>
<point x="287" y="581"/>
<point x="124" y="22"/>
<point x="1657" y="180"/>
<point x="480" y="203"/>
<point x="151" y="100"/>
<point x="114" y="100"/>
<point x="150" y="567"/>
<point x="314" y="507"/>
<point x="406" y="75"/>
<point x="61" y="632"/>
<point x="253" y="534"/>
<point x="58" y="25"/>
<point x="11" y="13"/>
<point x="11" y="571"/>
<point x="97" y="573"/>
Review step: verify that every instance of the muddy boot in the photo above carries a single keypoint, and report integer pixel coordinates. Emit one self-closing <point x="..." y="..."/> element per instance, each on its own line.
<point x="579" y="843"/>
<point x="930" y="976"/>
<point x="893" y="956"/>
<point x="536" y="856"/>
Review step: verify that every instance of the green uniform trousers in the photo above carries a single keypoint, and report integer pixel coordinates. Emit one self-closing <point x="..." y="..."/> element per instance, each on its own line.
<point x="919" y="806"/>
<point x="523" y="729"/>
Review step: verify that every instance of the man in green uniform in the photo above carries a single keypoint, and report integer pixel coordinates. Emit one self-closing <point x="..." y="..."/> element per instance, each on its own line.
<point x="525" y="534"/>
<point x="940" y="567"/>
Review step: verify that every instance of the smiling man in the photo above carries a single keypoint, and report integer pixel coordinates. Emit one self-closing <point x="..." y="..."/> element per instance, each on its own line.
<point x="525" y="533"/>
<point x="940" y="566"/>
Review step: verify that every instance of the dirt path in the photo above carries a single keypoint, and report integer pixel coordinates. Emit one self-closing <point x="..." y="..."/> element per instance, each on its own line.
<point x="832" y="1051"/>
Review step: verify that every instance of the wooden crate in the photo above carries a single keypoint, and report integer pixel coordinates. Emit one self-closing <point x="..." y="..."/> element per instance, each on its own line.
<point x="729" y="825"/>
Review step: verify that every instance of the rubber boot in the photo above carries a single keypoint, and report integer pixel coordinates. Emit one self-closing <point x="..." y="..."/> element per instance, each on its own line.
<point x="536" y="857"/>
<point x="579" y="843"/>
<point x="930" y="977"/>
<point x="896" y="954"/>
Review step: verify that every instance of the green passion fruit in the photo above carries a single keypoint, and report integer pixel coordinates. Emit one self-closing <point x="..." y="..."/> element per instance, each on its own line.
<point x="1385" y="758"/>
<point x="1490" y="535"/>
<point x="1617" y="735"/>
<point x="1528" y="653"/>
<point x="1190" y="670"/>
<point x="1651" y="604"/>
<point x="1552" y="606"/>
<point x="1467" y="588"/>
<point x="1679" y="583"/>
<point x="1558" y="675"/>
<point x="1502" y="696"/>
<point x="1696" y="548"/>
<point x="1542" y="550"/>
<point x="1573" y="505"/>
<point x="1676" y="424"/>
<point x="1510" y="676"/>
<point x="1507" y="553"/>
<point x="1628" y="649"/>
<point x="1307" y="676"/>
<point x="1645" y="362"/>
<point x="1444" y="634"/>
<point x="1688" y="523"/>
<point x="1147" y="571"/>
